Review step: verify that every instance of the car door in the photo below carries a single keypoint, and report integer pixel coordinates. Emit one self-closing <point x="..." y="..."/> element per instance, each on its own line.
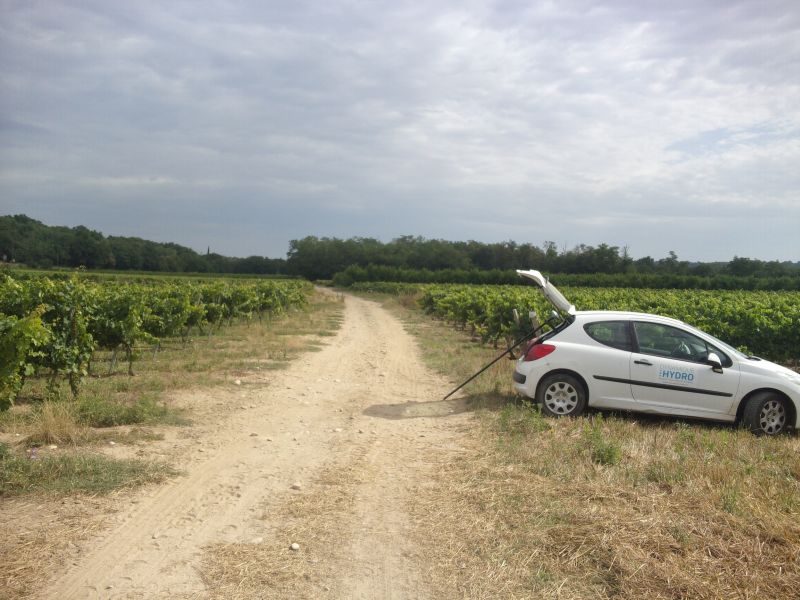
<point x="670" y="372"/>
<point x="607" y="365"/>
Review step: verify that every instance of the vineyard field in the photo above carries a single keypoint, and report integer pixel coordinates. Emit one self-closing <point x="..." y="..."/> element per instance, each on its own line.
<point x="760" y="322"/>
<point x="53" y="327"/>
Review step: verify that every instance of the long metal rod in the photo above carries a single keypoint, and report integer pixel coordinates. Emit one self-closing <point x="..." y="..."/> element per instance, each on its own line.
<point x="525" y="338"/>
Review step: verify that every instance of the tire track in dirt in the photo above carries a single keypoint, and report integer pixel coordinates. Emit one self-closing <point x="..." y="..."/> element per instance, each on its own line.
<point x="363" y="402"/>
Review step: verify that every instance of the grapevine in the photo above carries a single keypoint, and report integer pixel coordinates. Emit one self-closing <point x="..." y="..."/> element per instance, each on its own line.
<point x="765" y="323"/>
<point x="54" y="326"/>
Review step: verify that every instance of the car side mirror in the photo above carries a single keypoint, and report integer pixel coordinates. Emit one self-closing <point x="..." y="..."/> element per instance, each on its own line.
<point x="715" y="362"/>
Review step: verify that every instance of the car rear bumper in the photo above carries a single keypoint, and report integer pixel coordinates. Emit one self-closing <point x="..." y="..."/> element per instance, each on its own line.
<point x="522" y="383"/>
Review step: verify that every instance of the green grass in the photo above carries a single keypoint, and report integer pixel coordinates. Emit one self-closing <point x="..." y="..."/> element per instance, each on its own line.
<point x="133" y="436"/>
<point x="604" y="450"/>
<point x="94" y="411"/>
<point x="79" y="422"/>
<point x="71" y="473"/>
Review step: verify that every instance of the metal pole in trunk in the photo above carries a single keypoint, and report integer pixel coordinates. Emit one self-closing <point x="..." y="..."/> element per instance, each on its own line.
<point x="525" y="338"/>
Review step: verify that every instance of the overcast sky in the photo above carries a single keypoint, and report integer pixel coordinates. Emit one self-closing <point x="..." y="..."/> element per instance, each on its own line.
<point x="241" y="125"/>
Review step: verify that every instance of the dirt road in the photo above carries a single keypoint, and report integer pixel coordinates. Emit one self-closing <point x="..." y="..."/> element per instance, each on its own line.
<point x="324" y="454"/>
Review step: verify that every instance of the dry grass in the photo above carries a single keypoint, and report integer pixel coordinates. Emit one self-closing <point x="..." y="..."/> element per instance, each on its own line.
<point x="56" y="424"/>
<point x="603" y="506"/>
<point x="33" y="535"/>
<point x="685" y="513"/>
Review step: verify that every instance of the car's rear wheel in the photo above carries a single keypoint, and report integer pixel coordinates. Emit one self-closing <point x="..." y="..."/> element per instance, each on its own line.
<point x="562" y="395"/>
<point x="766" y="413"/>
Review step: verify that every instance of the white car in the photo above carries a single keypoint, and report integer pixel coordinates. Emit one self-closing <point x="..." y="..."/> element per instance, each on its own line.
<point x="647" y="363"/>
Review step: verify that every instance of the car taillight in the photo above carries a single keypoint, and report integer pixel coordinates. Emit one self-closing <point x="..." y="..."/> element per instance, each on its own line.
<point x="538" y="351"/>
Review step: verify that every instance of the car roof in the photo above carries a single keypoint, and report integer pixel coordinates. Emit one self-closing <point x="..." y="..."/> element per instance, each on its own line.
<point x="591" y="315"/>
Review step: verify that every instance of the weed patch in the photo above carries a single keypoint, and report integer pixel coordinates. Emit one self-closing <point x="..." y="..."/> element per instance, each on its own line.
<point x="94" y="411"/>
<point x="55" y="423"/>
<point x="603" y="449"/>
<point x="74" y="473"/>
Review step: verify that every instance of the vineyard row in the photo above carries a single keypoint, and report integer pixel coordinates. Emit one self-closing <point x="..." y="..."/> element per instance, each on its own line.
<point x="759" y="322"/>
<point x="55" y="326"/>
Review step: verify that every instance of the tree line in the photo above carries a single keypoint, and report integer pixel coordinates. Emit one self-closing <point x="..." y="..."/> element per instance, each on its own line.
<point x="32" y="243"/>
<point x="322" y="258"/>
<point x="354" y="275"/>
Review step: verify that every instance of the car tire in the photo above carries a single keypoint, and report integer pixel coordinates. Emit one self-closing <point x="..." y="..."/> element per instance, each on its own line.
<point x="561" y="395"/>
<point x="766" y="413"/>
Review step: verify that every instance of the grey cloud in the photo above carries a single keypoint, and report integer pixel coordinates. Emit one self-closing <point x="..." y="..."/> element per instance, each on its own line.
<point x="452" y="120"/>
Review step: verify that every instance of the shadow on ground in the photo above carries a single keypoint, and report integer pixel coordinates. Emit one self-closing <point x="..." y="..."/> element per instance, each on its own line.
<point x="438" y="408"/>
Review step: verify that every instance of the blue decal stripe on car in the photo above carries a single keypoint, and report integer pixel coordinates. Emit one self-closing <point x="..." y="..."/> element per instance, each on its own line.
<point x="664" y="386"/>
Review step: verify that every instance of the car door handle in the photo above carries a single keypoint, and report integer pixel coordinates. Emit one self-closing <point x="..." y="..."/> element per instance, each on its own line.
<point x="643" y="362"/>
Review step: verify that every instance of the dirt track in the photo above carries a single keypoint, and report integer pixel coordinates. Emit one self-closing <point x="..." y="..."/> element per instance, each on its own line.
<point x="361" y="414"/>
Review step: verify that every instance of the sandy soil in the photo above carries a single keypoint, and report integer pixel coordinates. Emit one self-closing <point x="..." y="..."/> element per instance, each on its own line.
<point x="361" y="416"/>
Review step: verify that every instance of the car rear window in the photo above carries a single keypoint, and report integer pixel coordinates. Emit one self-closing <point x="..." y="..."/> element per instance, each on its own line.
<point x="611" y="333"/>
<point x="556" y="330"/>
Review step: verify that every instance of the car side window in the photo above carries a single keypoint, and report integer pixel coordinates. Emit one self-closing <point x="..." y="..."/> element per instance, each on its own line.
<point x="611" y="333"/>
<point x="663" y="340"/>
